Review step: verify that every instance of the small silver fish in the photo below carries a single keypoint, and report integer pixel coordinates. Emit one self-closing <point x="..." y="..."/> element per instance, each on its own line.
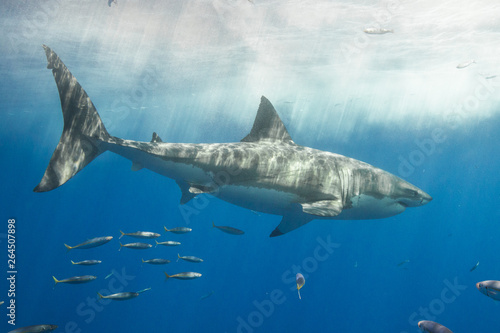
<point x="143" y="290"/>
<point x="136" y="246"/>
<point x="228" y="230"/>
<point x="94" y="242"/>
<point x="140" y="234"/>
<point x="207" y="295"/>
<point x="178" y="230"/>
<point x="156" y="261"/>
<point x="183" y="276"/>
<point x="299" y="278"/>
<point x="378" y="31"/>
<point x="474" y="267"/>
<point x="86" y="262"/>
<point x="120" y="296"/>
<point x="403" y="262"/>
<point x="189" y="258"/>
<point x="34" y="329"/>
<point x="432" y="327"/>
<point x="490" y="288"/>
<point x="466" y="64"/>
<point x="76" y="279"/>
<point x="168" y="243"/>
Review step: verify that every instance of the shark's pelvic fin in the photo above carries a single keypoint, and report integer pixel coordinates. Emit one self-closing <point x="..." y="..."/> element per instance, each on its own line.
<point x="199" y="189"/>
<point x="156" y="138"/>
<point x="83" y="128"/>
<point x="187" y="195"/>
<point x="189" y="191"/>
<point x="323" y="208"/>
<point x="291" y="222"/>
<point x="268" y="125"/>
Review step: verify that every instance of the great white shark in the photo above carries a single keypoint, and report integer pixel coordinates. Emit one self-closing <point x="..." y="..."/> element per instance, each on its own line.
<point x="266" y="171"/>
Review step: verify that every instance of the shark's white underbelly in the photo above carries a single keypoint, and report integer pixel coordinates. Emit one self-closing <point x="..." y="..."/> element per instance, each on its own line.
<point x="263" y="200"/>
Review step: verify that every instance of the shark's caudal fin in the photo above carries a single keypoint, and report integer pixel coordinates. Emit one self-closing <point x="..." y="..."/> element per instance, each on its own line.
<point x="83" y="128"/>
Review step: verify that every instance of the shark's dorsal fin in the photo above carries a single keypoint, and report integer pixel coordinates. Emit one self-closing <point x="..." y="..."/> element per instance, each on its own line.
<point x="156" y="138"/>
<point x="268" y="125"/>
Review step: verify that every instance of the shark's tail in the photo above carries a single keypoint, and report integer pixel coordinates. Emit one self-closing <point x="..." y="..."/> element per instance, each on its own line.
<point x="82" y="133"/>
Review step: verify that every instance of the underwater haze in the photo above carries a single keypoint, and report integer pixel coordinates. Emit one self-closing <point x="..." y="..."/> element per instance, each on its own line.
<point x="421" y="101"/>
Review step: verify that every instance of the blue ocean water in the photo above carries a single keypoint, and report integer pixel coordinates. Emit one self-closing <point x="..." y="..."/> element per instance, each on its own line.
<point x="194" y="71"/>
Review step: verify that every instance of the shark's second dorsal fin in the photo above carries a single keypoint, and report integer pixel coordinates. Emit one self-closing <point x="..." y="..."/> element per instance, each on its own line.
<point x="268" y="125"/>
<point x="156" y="138"/>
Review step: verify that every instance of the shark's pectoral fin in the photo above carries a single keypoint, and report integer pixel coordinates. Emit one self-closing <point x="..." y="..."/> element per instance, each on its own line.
<point x="323" y="208"/>
<point x="136" y="166"/>
<point x="289" y="223"/>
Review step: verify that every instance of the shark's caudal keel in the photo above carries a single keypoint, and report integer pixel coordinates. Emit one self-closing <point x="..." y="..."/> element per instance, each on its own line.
<point x="266" y="171"/>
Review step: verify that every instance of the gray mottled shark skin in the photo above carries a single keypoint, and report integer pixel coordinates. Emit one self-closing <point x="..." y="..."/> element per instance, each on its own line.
<point x="265" y="172"/>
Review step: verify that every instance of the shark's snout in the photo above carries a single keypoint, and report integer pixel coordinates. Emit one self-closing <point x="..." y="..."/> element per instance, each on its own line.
<point x="425" y="198"/>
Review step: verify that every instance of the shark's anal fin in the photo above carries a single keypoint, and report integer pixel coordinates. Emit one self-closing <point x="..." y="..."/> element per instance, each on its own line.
<point x="136" y="166"/>
<point x="156" y="138"/>
<point x="328" y="208"/>
<point x="268" y="125"/>
<point x="289" y="223"/>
